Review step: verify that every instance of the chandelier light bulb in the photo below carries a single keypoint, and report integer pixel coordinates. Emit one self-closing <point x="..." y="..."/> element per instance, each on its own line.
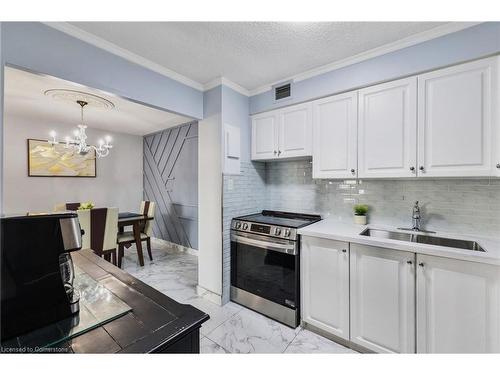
<point x="52" y="133"/>
<point x="108" y="139"/>
<point x="75" y="133"/>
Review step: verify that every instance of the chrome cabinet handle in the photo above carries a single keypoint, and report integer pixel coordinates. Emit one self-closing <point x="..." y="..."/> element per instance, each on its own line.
<point x="421" y="168"/>
<point x="275" y="152"/>
<point x="412" y="169"/>
<point x="353" y="171"/>
<point x="344" y="250"/>
<point x="409" y="262"/>
<point x="498" y="166"/>
<point x="279" y="152"/>
<point x="421" y="264"/>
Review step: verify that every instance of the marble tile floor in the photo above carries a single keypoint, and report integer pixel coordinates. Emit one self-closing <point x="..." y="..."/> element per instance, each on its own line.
<point x="231" y="328"/>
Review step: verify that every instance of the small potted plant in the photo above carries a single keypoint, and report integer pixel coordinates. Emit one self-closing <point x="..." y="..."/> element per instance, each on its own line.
<point x="360" y="211"/>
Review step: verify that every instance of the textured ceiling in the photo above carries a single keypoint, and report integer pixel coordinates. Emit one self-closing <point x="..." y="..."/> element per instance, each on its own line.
<point x="250" y="54"/>
<point x="24" y="96"/>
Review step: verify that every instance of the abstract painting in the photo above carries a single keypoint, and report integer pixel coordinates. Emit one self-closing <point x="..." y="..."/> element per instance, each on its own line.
<point x="46" y="160"/>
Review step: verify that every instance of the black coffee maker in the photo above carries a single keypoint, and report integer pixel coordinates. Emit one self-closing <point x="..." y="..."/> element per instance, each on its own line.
<point x="37" y="271"/>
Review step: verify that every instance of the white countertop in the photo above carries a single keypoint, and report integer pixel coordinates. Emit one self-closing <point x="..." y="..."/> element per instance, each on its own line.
<point x="333" y="229"/>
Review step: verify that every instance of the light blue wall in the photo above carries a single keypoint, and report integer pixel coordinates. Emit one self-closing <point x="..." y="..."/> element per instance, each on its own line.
<point x="212" y="102"/>
<point x="471" y="43"/>
<point x="40" y="48"/>
<point x="235" y="111"/>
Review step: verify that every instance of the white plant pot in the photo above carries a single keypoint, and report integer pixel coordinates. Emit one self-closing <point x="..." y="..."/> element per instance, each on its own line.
<point x="361" y="220"/>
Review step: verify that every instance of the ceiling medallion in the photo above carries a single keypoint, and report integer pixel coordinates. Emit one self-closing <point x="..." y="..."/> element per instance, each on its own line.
<point x="75" y="96"/>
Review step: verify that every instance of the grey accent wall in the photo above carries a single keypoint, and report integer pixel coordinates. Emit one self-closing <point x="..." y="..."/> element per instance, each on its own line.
<point x="171" y="181"/>
<point x="470" y="206"/>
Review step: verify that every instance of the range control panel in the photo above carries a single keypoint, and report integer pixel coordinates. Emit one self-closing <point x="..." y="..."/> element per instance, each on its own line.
<point x="268" y="230"/>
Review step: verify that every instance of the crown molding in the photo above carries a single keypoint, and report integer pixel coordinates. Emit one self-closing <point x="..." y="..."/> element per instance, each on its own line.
<point x="226" y="82"/>
<point x="101" y="43"/>
<point x="411" y="40"/>
<point x="119" y="51"/>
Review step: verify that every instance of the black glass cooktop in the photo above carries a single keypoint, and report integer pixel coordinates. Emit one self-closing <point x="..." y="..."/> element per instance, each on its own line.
<point x="284" y="219"/>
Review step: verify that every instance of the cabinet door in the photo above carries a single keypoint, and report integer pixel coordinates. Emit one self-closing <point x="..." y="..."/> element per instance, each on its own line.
<point x="388" y="129"/>
<point x="456" y="117"/>
<point x="325" y="285"/>
<point x="335" y="123"/>
<point x="265" y="136"/>
<point x="295" y="131"/>
<point x="458" y="305"/>
<point x="382" y="299"/>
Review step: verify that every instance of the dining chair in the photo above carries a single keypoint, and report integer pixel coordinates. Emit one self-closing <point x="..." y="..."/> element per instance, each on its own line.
<point x="84" y="219"/>
<point x="103" y="232"/>
<point x="60" y="207"/>
<point x="127" y="238"/>
<point x="66" y="206"/>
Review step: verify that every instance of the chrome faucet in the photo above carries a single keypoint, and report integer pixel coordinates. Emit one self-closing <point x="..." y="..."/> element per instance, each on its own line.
<point x="416" y="217"/>
<point x="416" y="220"/>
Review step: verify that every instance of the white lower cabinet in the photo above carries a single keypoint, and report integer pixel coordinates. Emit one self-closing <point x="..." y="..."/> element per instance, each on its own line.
<point x="458" y="306"/>
<point x="391" y="301"/>
<point x="382" y="299"/>
<point x="325" y="285"/>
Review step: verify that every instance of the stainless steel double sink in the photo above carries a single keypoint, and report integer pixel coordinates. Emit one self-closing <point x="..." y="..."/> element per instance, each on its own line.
<point x="423" y="239"/>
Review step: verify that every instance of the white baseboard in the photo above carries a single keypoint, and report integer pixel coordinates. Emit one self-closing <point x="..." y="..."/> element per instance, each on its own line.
<point x="210" y="296"/>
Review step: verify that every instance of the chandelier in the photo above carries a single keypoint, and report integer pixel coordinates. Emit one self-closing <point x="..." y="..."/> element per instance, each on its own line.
<point x="79" y="142"/>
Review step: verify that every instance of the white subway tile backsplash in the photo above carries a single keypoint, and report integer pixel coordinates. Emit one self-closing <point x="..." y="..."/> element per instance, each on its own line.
<point x="457" y="205"/>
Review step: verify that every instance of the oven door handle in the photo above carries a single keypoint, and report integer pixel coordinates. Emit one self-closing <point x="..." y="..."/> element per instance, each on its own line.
<point x="282" y="248"/>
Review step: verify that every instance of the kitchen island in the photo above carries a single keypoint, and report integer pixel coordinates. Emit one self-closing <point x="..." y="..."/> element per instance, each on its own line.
<point x="155" y="323"/>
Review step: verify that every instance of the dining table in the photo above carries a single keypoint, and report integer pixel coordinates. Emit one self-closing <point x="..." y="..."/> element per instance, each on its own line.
<point x="137" y="221"/>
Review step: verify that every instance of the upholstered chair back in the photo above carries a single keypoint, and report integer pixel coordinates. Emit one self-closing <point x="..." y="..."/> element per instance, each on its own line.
<point x="148" y="208"/>
<point x="103" y="228"/>
<point x="84" y="219"/>
<point x="60" y="207"/>
<point x="111" y="229"/>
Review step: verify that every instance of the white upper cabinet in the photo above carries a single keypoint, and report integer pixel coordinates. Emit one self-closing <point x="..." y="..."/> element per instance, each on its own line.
<point x="335" y="136"/>
<point x="265" y="136"/>
<point x="387" y="140"/>
<point x="440" y="124"/>
<point x="324" y="277"/>
<point x="382" y="292"/>
<point x="295" y="133"/>
<point x="284" y="133"/>
<point x="457" y="120"/>
<point x="458" y="306"/>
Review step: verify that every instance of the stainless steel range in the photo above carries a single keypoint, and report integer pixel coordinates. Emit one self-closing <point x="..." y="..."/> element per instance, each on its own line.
<point x="265" y="263"/>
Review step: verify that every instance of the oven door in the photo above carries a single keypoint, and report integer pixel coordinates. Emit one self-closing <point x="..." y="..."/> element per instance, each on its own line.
<point x="265" y="266"/>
